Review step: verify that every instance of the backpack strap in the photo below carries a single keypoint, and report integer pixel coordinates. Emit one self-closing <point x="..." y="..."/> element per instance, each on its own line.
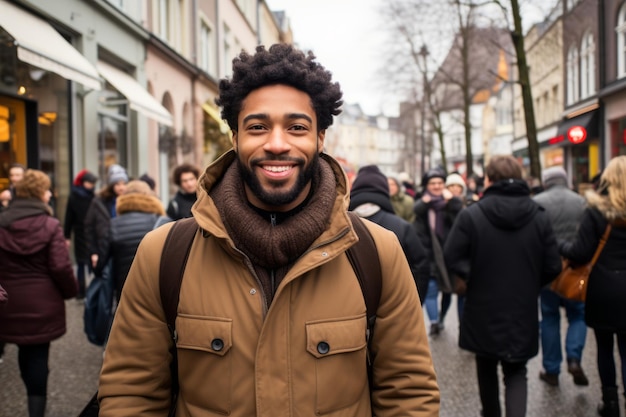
<point x="363" y="256"/>
<point x="171" y="269"/>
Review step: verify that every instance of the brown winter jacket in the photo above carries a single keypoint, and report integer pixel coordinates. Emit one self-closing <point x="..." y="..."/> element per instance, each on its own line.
<point x="37" y="273"/>
<point x="240" y="359"/>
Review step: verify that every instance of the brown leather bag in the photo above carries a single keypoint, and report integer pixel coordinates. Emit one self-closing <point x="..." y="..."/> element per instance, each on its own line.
<point x="572" y="282"/>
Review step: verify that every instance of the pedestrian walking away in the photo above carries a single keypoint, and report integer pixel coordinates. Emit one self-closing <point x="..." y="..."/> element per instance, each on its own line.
<point x="565" y="209"/>
<point x="370" y="198"/>
<point x="606" y="291"/>
<point x="271" y="319"/>
<point x="37" y="274"/>
<point x="504" y="247"/>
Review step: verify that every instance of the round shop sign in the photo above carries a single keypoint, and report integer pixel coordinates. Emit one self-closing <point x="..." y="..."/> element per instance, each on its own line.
<point x="577" y="134"/>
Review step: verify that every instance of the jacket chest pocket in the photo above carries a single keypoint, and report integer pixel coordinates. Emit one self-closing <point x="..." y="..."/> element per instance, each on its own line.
<point x="340" y="351"/>
<point x="204" y="361"/>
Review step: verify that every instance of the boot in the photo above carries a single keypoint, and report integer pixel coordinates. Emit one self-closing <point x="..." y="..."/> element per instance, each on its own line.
<point x="610" y="404"/>
<point x="36" y="406"/>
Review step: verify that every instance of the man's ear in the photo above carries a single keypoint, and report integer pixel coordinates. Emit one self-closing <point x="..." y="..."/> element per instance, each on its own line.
<point x="234" y="140"/>
<point x="321" y="135"/>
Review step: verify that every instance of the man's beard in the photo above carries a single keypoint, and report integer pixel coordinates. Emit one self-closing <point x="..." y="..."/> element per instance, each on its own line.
<point x="273" y="196"/>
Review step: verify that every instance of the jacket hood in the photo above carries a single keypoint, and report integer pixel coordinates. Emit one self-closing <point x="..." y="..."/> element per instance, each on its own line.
<point x="604" y="206"/>
<point x="378" y="198"/>
<point x="139" y="202"/>
<point x="507" y="204"/>
<point x="26" y="218"/>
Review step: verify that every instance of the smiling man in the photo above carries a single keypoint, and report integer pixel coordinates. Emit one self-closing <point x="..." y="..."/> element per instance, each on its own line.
<point x="271" y="319"/>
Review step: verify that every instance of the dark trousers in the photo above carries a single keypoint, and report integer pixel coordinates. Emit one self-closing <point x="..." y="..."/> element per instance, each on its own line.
<point x="606" y="360"/>
<point x="514" y="383"/>
<point x="33" y="363"/>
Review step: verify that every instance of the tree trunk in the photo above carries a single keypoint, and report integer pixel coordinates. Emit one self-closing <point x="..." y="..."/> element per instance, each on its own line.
<point x="527" y="97"/>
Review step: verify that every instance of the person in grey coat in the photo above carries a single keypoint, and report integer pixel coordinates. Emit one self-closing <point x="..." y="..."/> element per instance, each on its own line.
<point x="507" y="241"/>
<point x="565" y="209"/>
<point x="137" y="212"/>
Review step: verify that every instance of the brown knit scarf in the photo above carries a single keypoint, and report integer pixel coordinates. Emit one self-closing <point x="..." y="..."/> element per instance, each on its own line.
<point x="267" y="246"/>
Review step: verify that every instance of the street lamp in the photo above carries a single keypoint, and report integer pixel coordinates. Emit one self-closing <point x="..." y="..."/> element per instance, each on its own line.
<point x="424" y="54"/>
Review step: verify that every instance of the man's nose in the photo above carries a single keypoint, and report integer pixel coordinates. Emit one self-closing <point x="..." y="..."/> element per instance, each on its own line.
<point x="277" y="141"/>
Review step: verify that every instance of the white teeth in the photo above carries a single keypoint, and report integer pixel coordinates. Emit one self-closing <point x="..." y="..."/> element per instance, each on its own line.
<point x="276" y="169"/>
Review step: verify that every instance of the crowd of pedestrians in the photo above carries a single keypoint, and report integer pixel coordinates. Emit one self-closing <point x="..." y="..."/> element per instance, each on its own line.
<point x="270" y="317"/>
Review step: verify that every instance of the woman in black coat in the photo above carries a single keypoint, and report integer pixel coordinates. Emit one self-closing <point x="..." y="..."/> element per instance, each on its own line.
<point x="508" y="242"/>
<point x="77" y="205"/>
<point x="605" y="308"/>
<point x="435" y="213"/>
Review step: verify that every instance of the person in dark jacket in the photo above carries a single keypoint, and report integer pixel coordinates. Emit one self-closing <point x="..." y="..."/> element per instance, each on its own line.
<point x="16" y="173"/>
<point x="369" y="198"/>
<point x="605" y="308"/>
<point x="435" y="212"/>
<point x="38" y="275"/>
<point x="99" y="215"/>
<point x="77" y="205"/>
<point x="186" y="178"/>
<point x="565" y="209"/>
<point x="137" y="211"/>
<point x="507" y="241"/>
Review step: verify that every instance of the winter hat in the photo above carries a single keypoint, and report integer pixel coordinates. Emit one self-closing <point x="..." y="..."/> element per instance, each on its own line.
<point x="89" y="177"/>
<point x="370" y="186"/>
<point x="370" y="179"/>
<point x="116" y="174"/>
<point x="554" y="176"/>
<point x="78" y="179"/>
<point x="148" y="180"/>
<point x="433" y="173"/>
<point x="456" y="179"/>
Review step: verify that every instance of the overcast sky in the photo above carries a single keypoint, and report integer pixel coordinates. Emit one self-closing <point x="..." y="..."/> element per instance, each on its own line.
<point x="346" y="37"/>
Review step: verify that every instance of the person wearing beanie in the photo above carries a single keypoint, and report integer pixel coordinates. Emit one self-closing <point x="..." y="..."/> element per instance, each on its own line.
<point x="401" y="201"/>
<point x="78" y="203"/>
<point x="435" y="213"/>
<point x="565" y="209"/>
<point x="369" y="198"/>
<point x="99" y="215"/>
<point x="138" y="209"/>
<point x="456" y="184"/>
<point x="38" y="276"/>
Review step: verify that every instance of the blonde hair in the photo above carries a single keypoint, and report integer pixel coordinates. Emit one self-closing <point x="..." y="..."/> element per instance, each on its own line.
<point x="613" y="180"/>
<point x="34" y="184"/>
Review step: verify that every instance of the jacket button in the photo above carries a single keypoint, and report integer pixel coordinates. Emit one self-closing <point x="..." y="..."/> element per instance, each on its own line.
<point x="323" y="348"/>
<point x="217" y="344"/>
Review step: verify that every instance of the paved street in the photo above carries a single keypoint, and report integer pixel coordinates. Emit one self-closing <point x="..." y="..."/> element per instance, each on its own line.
<point x="75" y="363"/>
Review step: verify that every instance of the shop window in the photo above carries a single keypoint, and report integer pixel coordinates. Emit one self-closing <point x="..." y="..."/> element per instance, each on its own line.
<point x="113" y="129"/>
<point x="572" y="75"/>
<point x="587" y="66"/>
<point x="620" y="30"/>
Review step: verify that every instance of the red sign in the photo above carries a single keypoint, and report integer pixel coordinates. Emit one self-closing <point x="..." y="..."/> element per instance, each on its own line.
<point x="556" y="139"/>
<point x="577" y="134"/>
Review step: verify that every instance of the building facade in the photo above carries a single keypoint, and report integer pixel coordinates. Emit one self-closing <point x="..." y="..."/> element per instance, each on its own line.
<point x="126" y="82"/>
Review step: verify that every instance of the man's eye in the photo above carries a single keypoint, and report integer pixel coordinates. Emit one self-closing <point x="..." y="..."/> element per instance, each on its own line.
<point x="298" y="127"/>
<point x="255" y="127"/>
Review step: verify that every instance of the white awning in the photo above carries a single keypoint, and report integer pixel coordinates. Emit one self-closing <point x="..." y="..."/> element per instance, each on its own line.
<point x="138" y="97"/>
<point x="39" y="44"/>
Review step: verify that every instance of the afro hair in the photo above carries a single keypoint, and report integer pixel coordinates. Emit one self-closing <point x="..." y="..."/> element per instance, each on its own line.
<point x="281" y="64"/>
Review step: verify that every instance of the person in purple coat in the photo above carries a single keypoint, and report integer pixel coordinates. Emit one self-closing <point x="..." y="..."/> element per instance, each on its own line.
<point x="38" y="275"/>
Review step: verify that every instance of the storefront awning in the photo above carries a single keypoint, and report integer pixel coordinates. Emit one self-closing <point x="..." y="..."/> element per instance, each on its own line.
<point x="138" y="97"/>
<point x="588" y="121"/>
<point x="215" y="115"/>
<point x="39" y="44"/>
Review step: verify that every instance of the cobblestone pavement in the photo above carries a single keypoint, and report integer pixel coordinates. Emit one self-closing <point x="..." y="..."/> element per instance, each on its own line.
<point x="75" y="364"/>
<point x="456" y="375"/>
